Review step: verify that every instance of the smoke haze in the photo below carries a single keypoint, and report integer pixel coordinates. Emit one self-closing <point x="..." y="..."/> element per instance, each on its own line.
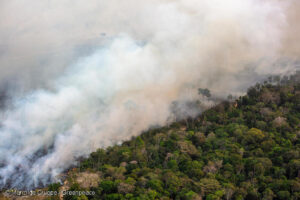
<point x="87" y="74"/>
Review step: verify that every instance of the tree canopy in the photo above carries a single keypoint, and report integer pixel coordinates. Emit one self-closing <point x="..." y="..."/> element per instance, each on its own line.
<point x="248" y="149"/>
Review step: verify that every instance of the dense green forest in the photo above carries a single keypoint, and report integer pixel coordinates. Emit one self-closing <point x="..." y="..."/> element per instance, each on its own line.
<point x="243" y="149"/>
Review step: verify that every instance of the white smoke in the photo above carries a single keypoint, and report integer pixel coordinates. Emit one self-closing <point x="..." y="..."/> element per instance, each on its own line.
<point x="142" y="57"/>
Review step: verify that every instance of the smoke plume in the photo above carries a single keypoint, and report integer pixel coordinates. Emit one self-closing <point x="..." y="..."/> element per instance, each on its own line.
<point x="87" y="74"/>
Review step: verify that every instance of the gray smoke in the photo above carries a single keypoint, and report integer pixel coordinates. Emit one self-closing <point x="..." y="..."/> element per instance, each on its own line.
<point x="88" y="74"/>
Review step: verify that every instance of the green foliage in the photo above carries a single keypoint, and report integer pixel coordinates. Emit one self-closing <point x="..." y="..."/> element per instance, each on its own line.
<point x="204" y="92"/>
<point x="247" y="149"/>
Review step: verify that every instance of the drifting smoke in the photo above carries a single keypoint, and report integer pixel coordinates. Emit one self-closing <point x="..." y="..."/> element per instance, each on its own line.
<point x="99" y="72"/>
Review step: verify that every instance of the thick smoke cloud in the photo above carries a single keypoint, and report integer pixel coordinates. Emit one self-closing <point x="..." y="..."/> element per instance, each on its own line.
<point x="89" y="74"/>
